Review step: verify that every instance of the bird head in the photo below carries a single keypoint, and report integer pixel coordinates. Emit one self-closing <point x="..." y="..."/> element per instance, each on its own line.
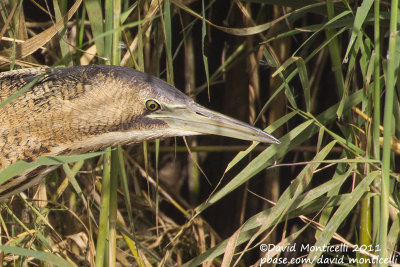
<point x="159" y="110"/>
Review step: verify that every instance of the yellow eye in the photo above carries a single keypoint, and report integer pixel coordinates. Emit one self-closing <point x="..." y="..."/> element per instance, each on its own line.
<point x="152" y="105"/>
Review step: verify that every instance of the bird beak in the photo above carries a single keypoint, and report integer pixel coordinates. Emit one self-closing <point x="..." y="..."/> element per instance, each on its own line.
<point x="195" y="119"/>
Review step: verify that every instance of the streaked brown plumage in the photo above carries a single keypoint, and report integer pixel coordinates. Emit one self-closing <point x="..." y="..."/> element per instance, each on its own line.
<point x="87" y="108"/>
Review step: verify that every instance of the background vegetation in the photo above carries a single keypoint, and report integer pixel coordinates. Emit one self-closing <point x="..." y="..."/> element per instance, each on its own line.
<point x="321" y="74"/>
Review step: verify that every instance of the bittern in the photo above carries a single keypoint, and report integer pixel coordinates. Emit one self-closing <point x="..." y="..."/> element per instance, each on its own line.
<point x="87" y="108"/>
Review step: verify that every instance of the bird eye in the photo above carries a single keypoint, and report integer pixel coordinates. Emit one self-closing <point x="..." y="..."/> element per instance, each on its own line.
<point x="152" y="105"/>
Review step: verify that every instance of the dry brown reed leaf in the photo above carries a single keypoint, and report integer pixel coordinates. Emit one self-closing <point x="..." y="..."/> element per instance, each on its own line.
<point x="30" y="46"/>
<point x="7" y="24"/>
<point x="394" y="142"/>
<point x="88" y="56"/>
<point x="19" y="62"/>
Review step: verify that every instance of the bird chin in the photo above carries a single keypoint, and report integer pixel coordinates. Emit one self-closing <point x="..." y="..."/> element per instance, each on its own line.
<point x="104" y="140"/>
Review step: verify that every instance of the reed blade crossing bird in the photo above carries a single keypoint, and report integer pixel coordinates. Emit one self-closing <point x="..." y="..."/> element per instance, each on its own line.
<point x="87" y="108"/>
